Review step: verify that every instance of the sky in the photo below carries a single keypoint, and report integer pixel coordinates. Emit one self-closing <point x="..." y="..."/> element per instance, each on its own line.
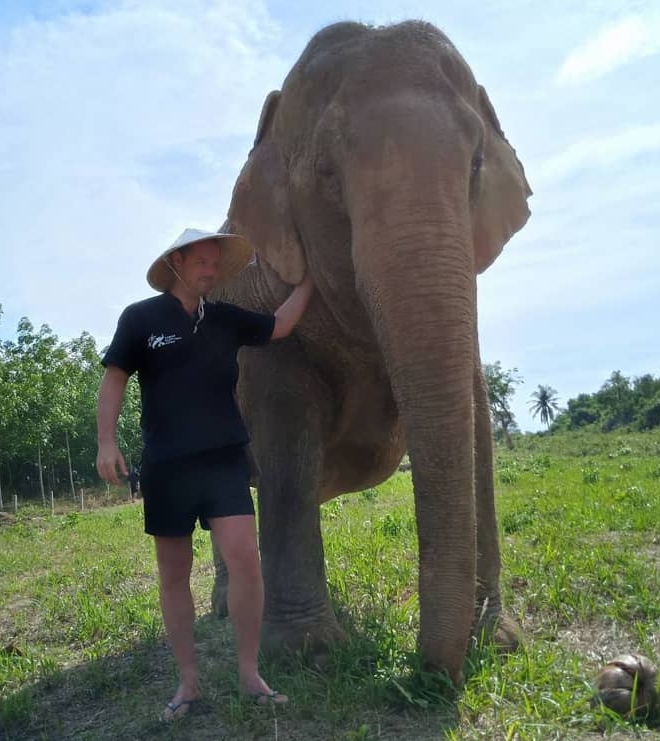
<point x="124" y="121"/>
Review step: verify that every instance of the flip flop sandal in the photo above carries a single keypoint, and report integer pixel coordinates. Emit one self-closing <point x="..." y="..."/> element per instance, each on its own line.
<point x="170" y="713"/>
<point x="269" y="698"/>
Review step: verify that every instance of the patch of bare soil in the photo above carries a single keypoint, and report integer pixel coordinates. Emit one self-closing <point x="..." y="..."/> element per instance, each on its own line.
<point x="6" y="519"/>
<point x="599" y="642"/>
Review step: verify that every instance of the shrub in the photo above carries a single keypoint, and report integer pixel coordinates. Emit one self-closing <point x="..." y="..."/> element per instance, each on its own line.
<point x="590" y="475"/>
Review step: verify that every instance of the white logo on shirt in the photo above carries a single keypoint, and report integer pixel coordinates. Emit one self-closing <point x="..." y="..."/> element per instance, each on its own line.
<point x="161" y="340"/>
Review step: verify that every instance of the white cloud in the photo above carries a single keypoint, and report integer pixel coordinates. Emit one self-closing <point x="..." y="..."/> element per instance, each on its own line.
<point x="87" y="80"/>
<point x="118" y="128"/>
<point x="601" y="151"/>
<point x="614" y="45"/>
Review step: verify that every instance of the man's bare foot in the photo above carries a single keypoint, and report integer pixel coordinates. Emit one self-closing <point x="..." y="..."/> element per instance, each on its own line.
<point x="180" y="704"/>
<point x="176" y="710"/>
<point x="270" y="698"/>
<point x="256" y="689"/>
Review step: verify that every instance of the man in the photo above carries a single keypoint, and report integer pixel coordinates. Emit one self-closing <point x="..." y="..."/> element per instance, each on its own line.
<point x="133" y="481"/>
<point x="194" y="463"/>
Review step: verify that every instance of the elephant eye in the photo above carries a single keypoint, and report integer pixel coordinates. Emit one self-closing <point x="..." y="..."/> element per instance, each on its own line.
<point x="324" y="168"/>
<point x="477" y="162"/>
<point x="475" y="180"/>
<point x="328" y="182"/>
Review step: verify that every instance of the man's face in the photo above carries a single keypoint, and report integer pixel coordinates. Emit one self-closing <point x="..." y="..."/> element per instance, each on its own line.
<point x="199" y="267"/>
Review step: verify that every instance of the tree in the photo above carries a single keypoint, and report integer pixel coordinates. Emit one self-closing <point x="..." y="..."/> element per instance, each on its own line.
<point x="48" y="392"/>
<point x="617" y="399"/>
<point x="646" y="387"/>
<point x="581" y="412"/>
<point x="649" y="414"/>
<point x="544" y="402"/>
<point x="31" y="367"/>
<point x="80" y="378"/>
<point x="501" y="388"/>
<point x="129" y="434"/>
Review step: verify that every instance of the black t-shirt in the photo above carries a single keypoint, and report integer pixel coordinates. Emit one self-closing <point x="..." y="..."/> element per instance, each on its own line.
<point x="187" y="378"/>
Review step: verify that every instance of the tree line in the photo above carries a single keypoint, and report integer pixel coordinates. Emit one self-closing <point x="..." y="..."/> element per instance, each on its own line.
<point x="621" y="403"/>
<point x="48" y="392"/>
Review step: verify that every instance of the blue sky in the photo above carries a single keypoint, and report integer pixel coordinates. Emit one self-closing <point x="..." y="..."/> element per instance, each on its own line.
<point x="123" y="121"/>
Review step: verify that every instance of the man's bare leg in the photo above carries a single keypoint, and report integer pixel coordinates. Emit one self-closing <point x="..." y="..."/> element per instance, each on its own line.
<point x="174" y="556"/>
<point x="236" y="538"/>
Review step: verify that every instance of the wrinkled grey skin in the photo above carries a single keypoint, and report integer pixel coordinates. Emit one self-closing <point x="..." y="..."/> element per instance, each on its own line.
<point x="381" y="168"/>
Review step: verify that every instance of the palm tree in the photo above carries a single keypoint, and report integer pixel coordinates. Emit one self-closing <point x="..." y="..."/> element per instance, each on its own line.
<point x="544" y="402"/>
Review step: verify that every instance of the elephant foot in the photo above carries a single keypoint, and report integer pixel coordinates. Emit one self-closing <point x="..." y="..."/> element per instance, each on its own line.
<point x="312" y="639"/>
<point x="499" y="630"/>
<point x="219" y="599"/>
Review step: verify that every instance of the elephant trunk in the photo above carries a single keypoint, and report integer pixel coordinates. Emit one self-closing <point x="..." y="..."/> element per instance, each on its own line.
<point x="416" y="277"/>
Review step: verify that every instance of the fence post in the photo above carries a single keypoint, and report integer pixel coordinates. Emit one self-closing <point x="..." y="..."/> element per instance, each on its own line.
<point x="82" y="500"/>
<point x="52" y="504"/>
<point x="15" y="504"/>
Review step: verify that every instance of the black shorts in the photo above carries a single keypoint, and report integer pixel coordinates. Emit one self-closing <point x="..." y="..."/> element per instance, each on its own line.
<point x="215" y="483"/>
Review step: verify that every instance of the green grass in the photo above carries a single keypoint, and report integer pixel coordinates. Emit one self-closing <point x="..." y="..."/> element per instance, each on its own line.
<point x="82" y="652"/>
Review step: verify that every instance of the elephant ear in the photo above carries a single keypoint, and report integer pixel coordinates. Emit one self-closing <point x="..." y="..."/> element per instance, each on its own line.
<point x="501" y="208"/>
<point x="260" y="208"/>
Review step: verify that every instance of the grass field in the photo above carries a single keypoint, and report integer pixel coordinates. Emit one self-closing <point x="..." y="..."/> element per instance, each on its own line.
<point x="82" y="653"/>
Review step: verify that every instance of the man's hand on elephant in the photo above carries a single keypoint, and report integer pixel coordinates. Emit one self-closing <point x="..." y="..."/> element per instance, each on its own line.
<point x="290" y="312"/>
<point x="109" y="457"/>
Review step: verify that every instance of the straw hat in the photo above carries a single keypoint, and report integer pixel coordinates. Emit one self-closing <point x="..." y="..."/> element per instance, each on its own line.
<point x="235" y="254"/>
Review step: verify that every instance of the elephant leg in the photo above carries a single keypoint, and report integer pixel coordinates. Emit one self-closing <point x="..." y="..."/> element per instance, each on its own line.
<point x="489" y="616"/>
<point x="286" y="406"/>
<point x="220" y="585"/>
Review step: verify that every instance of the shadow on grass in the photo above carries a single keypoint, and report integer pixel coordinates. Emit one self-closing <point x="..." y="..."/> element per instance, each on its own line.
<point x="355" y="695"/>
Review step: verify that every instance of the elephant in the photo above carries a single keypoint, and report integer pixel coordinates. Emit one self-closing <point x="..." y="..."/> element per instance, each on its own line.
<point x="381" y="169"/>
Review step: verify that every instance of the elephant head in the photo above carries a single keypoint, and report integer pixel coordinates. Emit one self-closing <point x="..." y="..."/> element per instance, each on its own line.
<point x="333" y="118"/>
<point x="381" y="167"/>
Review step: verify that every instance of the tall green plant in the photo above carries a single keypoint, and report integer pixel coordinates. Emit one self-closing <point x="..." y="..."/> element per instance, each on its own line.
<point x="544" y="403"/>
<point x="501" y="388"/>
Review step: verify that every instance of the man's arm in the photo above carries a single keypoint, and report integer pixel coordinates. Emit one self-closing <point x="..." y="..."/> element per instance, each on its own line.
<point x="290" y="312"/>
<point x="111" y="395"/>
